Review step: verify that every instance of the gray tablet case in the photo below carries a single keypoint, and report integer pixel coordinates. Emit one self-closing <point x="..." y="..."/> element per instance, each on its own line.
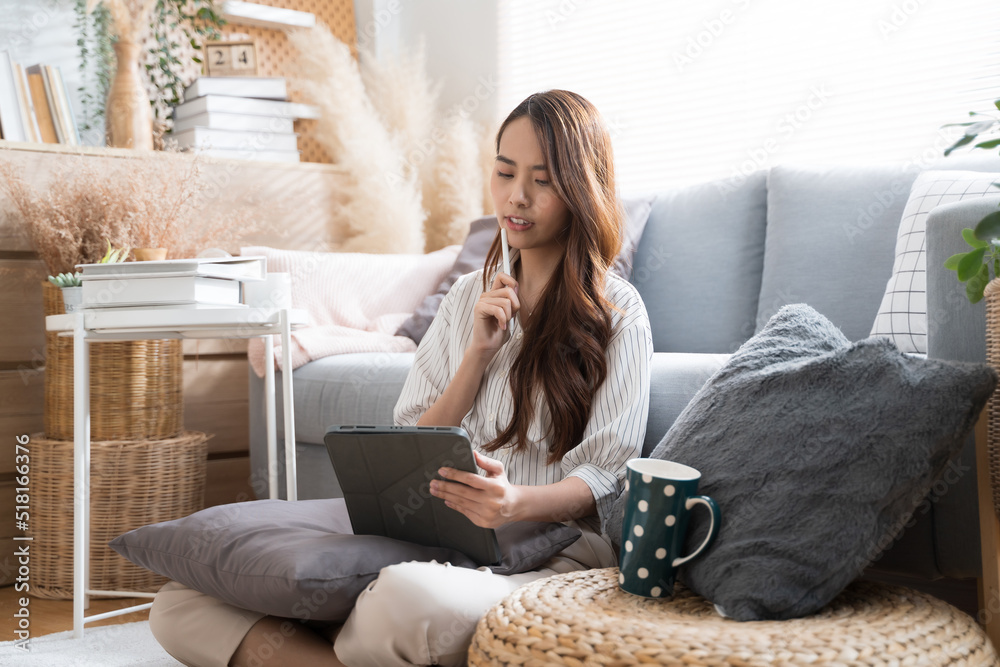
<point x="385" y="472"/>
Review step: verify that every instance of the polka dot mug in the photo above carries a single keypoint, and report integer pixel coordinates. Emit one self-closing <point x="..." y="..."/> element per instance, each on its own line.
<point x="661" y="495"/>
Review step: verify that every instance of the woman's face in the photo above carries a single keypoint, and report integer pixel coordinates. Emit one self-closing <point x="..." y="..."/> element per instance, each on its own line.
<point x="523" y="194"/>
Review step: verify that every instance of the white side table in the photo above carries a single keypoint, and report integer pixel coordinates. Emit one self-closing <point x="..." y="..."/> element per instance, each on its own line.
<point x="154" y="323"/>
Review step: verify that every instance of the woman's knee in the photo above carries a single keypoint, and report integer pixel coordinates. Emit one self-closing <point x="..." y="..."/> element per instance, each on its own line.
<point x="420" y="613"/>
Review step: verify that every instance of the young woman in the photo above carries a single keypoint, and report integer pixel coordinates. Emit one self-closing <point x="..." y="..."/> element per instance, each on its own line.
<point x="548" y="371"/>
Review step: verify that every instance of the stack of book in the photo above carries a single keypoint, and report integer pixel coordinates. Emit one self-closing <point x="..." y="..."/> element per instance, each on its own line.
<point x="170" y="283"/>
<point x="241" y="117"/>
<point x="34" y="105"/>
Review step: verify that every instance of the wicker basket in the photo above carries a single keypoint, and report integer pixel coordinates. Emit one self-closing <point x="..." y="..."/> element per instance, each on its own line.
<point x="136" y="387"/>
<point x="992" y="297"/>
<point x="132" y="484"/>
<point x="583" y="618"/>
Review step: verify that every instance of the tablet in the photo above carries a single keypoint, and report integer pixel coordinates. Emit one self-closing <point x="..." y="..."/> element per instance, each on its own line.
<point x="385" y="473"/>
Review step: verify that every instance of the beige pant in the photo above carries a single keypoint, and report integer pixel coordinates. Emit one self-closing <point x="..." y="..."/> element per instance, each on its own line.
<point x="413" y="614"/>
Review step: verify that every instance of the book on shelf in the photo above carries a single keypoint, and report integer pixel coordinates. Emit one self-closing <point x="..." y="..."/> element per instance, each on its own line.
<point x="56" y="122"/>
<point x="26" y="105"/>
<point x="172" y="290"/>
<point x="34" y="104"/>
<point x="221" y="120"/>
<point x="43" y="112"/>
<point x="251" y="267"/>
<point x="257" y="87"/>
<point x="244" y="105"/>
<point x="204" y="137"/>
<point x="67" y="121"/>
<point x="10" y="108"/>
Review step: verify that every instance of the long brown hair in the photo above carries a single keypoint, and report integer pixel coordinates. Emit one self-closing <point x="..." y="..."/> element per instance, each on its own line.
<point x="564" y="351"/>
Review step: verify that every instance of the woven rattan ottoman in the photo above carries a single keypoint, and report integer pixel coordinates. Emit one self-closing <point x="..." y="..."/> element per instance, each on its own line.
<point x="582" y="618"/>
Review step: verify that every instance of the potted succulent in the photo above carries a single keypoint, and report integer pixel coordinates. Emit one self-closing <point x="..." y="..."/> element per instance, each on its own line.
<point x="72" y="290"/>
<point x="981" y="264"/>
<point x="72" y="283"/>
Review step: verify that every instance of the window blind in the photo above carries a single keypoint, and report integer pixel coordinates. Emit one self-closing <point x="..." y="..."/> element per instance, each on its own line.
<point x="695" y="91"/>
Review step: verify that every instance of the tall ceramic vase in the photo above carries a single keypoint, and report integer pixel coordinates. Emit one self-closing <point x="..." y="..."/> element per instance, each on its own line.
<point x="128" y="115"/>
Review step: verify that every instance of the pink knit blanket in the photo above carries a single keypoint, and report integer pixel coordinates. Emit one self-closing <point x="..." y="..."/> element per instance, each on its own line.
<point x="356" y="301"/>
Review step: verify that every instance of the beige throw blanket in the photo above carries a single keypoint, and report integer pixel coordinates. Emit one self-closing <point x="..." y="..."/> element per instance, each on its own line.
<point x="355" y="301"/>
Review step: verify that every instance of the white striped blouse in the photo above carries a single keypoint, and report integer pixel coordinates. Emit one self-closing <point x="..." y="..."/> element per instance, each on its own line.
<point x="618" y="415"/>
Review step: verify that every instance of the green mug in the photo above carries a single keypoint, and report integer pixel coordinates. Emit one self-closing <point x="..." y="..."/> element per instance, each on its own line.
<point x="661" y="495"/>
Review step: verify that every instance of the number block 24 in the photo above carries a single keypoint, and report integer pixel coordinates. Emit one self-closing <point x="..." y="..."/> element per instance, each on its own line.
<point x="236" y="58"/>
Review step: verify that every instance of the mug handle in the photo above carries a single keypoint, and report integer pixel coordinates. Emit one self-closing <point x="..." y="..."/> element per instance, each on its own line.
<point x="713" y="528"/>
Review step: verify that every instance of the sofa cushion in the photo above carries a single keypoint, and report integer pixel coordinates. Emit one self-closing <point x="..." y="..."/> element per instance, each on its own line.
<point x="902" y="315"/>
<point x="817" y="451"/>
<point x="675" y="378"/>
<point x="472" y="257"/>
<point x="831" y="233"/>
<point x="343" y="389"/>
<point x="300" y="559"/>
<point x="698" y="266"/>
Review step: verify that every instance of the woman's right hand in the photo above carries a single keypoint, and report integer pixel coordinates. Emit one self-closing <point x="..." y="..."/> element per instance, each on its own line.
<point x="493" y="313"/>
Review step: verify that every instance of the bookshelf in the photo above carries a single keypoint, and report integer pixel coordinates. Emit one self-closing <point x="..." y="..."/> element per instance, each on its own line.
<point x="275" y="54"/>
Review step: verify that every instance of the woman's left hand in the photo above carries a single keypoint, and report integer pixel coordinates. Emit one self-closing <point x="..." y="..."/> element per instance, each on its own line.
<point x="487" y="501"/>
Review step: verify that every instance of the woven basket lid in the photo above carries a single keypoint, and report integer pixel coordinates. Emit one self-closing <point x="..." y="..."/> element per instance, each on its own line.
<point x="583" y="618"/>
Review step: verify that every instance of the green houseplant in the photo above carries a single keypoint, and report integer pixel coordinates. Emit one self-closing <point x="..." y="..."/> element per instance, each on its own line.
<point x="72" y="283"/>
<point x="72" y="290"/>
<point x="977" y="266"/>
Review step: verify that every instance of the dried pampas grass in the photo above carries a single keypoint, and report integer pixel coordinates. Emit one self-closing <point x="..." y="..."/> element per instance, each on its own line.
<point x="381" y="212"/>
<point x="405" y="100"/>
<point x="452" y="185"/>
<point x="148" y="201"/>
<point x="418" y="176"/>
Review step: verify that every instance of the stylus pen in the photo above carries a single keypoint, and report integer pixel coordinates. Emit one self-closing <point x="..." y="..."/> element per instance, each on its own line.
<point x="506" y="251"/>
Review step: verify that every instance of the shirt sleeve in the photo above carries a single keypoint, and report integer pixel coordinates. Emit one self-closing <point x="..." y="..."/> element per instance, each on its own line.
<point x="617" y="424"/>
<point x="431" y="370"/>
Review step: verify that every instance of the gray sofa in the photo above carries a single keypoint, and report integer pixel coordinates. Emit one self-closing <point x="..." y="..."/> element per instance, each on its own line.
<point x="715" y="261"/>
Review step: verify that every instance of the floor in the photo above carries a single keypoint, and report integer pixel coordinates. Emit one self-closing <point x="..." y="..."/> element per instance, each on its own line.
<point x="48" y="616"/>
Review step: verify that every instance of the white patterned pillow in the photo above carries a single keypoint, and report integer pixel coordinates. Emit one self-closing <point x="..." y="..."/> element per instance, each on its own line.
<point x="902" y="317"/>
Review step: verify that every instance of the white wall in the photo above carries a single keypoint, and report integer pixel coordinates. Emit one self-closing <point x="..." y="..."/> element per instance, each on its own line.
<point x="460" y="42"/>
<point x="41" y="31"/>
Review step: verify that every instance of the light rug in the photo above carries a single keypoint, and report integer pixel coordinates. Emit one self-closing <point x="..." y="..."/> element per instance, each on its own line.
<point x="124" y="645"/>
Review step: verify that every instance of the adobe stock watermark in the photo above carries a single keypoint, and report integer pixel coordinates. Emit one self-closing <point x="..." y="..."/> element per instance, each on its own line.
<point x="899" y="16"/>
<point x="382" y="18"/>
<point x="784" y="129"/>
<point x="417" y="496"/>
<point x="651" y="264"/>
<point x="486" y="87"/>
<point x="765" y="311"/>
<point x="898" y="190"/>
<point x="562" y="12"/>
<point x="953" y="473"/>
<point x="867" y="215"/>
<point x="27" y="28"/>
<point x="712" y="29"/>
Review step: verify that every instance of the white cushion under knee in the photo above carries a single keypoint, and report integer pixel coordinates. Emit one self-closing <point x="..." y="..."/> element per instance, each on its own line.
<point x="421" y="613"/>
